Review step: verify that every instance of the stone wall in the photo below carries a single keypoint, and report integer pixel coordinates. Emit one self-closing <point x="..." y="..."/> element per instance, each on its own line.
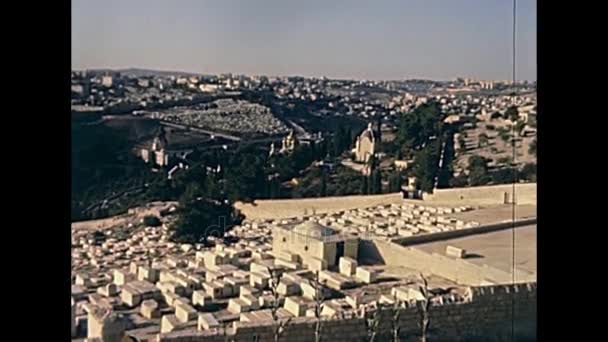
<point x="285" y="208"/>
<point x="525" y="193"/>
<point x="451" y="234"/>
<point x="490" y="314"/>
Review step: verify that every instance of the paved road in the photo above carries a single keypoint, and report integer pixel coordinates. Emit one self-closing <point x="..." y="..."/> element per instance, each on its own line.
<point x="200" y="130"/>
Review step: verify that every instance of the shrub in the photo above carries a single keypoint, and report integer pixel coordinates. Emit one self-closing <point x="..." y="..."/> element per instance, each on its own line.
<point x="152" y="221"/>
<point x="505" y="160"/>
<point x="528" y="172"/>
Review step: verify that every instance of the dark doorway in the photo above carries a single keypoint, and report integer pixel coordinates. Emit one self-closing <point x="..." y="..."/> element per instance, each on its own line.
<point x="339" y="251"/>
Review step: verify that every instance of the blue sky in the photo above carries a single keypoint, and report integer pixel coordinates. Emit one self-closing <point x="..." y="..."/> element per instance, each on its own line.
<point x="379" y="39"/>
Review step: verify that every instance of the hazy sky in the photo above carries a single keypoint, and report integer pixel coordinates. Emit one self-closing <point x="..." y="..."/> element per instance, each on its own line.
<point x="379" y="39"/>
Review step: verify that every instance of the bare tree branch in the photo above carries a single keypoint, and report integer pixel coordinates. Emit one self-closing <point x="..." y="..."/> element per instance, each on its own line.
<point x="319" y="297"/>
<point x="372" y="324"/>
<point x="280" y="324"/>
<point x="424" y="306"/>
<point x="398" y="306"/>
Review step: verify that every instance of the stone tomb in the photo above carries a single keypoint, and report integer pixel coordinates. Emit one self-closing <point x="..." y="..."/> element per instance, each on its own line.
<point x="238" y="305"/>
<point x="348" y="266"/>
<point x="201" y="298"/>
<point x="108" y="290"/>
<point x="296" y="306"/>
<point x="288" y="287"/>
<point x="455" y="252"/>
<point x="366" y="274"/>
<point x="134" y="292"/>
<point x="121" y="277"/>
<point x="149" y="309"/>
<point x="169" y="323"/>
<point x="185" y="312"/>
<point x="207" y="321"/>
<point x="148" y="273"/>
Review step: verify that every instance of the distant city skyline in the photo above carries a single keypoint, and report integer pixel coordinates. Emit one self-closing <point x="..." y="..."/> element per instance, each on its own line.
<point x="379" y="40"/>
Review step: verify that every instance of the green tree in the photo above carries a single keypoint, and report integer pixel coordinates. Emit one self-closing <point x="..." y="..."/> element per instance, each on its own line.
<point x="416" y="127"/>
<point x="364" y="185"/>
<point x="372" y="162"/>
<point x="478" y="171"/>
<point x="340" y="141"/>
<point x="519" y="126"/>
<point x="505" y="160"/>
<point x="376" y="182"/>
<point x="532" y="148"/>
<point x="528" y="172"/>
<point x="245" y="179"/>
<point x="395" y="182"/>
<point x="512" y="113"/>
<point x="152" y="221"/>
<point x="199" y="217"/>
<point x="323" y="191"/>
<point x="426" y="166"/>
<point x="459" y="182"/>
<point x="275" y="188"/>
<point x="504" y="176"/>
<point x="462" y="142"/>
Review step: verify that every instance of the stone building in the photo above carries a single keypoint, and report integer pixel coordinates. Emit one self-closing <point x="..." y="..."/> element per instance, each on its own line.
<point x="107" y="81"/>
<point x="314" y="245"/>
<point x="365" y="146"/>
<point x="157" y="154"/>
<point x="411" y="190"/>
<point x="289" y="143"/>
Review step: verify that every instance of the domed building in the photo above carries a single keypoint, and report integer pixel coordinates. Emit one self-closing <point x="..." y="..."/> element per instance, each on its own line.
<point x="313" y="230"/>
<point x="315" y="246"/>
<point x="289" y="143"/>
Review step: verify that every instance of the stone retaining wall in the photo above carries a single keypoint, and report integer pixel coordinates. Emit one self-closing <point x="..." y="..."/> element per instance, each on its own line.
<point x="490" y="314"/>
<point x="451" y="234"/>
<point x="286" y="208"/>
<point x="525" y="193"/>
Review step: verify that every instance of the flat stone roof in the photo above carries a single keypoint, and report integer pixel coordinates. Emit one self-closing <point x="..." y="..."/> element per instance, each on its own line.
<point x="494" y="249"/>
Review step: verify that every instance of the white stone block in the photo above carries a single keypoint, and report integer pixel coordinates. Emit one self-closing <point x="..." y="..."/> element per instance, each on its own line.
<point x="169" y="323"/>
<point x="366" y="275"/>
<point x="185" y="312"/>
<point x="455" y="251"/>
<point x="348" y="266"/>
<point x="149" y="309"/>
<point x="207" y="321"/>
<point x="296" y="306"/>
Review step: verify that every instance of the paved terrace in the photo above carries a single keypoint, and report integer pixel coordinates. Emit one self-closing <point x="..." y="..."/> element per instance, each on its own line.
<point x="494" y="249"/>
